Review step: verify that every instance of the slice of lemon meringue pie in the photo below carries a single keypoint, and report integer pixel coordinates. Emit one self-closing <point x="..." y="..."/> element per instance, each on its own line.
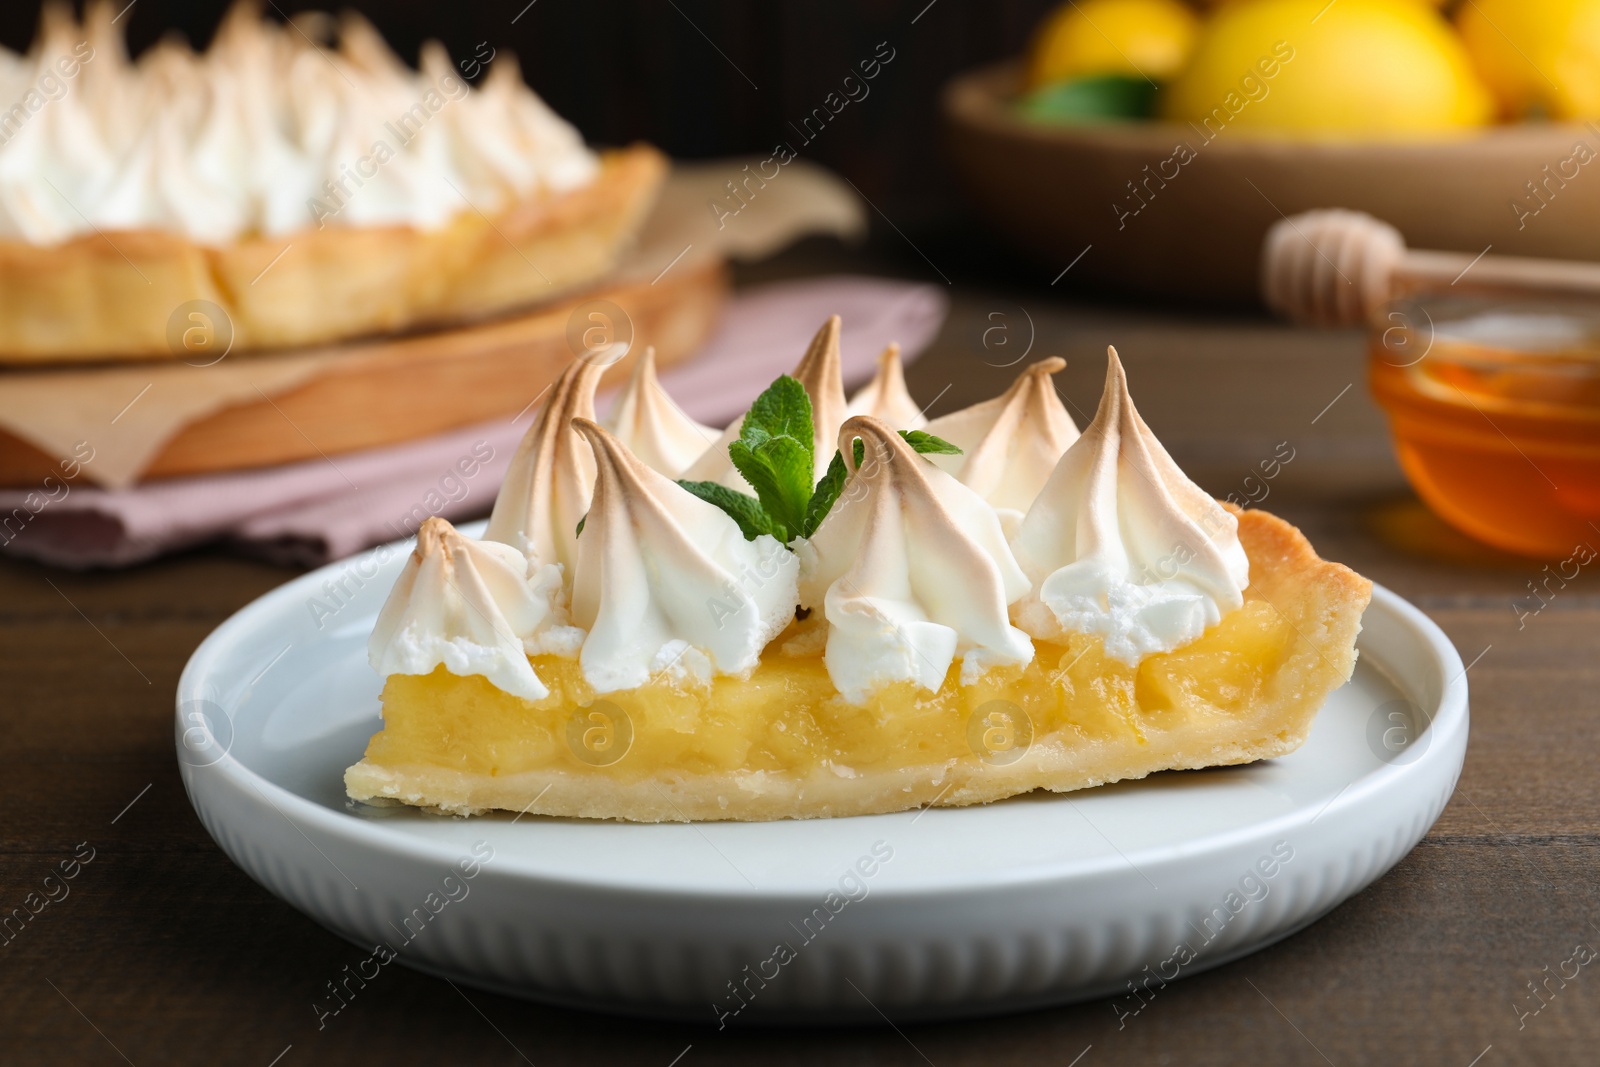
<point x="831" y="614"/>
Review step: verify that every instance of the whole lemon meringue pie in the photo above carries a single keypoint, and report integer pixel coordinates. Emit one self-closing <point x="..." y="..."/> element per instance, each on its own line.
<point x="310" y="192"/>
<point x="831" y="614"/>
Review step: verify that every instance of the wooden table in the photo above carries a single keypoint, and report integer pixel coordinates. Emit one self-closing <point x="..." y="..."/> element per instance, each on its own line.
<point x="164" y="952"/>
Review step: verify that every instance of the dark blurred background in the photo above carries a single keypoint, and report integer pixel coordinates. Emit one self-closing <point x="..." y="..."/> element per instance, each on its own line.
<point x="699" y="78"/>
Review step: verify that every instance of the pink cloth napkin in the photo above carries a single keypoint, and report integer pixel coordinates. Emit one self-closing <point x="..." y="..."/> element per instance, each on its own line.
<point x="313" y="512"/>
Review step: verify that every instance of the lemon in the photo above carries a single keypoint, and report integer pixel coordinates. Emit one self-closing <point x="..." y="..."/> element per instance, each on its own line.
<point x="1144" y="38"/>
<point x="1212" y="4"/>
<point x="1346" y="67"/>
<point x="1537" y="55"/>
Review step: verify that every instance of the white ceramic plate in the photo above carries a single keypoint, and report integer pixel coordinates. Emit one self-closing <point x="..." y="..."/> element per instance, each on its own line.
<point x="1036" y="900"/>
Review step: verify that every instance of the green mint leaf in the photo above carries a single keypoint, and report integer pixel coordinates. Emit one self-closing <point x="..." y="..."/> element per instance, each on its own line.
<point x="755" y="470"/>
<point x="774" y="454"/>
<point x="784" y="410"/>
<point x="925" y="442"/>
<point x="742" y="508"/>
<point x="579" y="531"/>
<point x="779" y="470"/>
<point x="827" y="491"/>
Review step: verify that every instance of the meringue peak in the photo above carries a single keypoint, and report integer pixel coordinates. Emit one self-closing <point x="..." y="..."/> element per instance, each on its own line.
<point x="886" y="396"/>
<point x="1012" y="442"/>
<point x="667" y="582"/>
<point x="471" y="607"/>
<point x="436" y="535"/>
<point x="275" y="127"/>
<point x="551" y="475"/>
<point x="1121" y="543"/>
<point x="911" y="569"/>
<point x="654" y="428"/>
<point x="821" y="371"/>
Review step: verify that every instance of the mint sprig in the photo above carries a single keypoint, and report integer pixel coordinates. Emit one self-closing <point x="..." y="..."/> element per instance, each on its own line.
<point x="742" y="508"/>
<point x="924" y="443"/>
<point x="832" y="483"/>
<point x="828" y="490"/>
<point x="775" y="454"/>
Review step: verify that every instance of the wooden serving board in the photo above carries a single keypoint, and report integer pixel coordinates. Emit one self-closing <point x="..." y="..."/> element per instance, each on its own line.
<point x="387" y="390"/>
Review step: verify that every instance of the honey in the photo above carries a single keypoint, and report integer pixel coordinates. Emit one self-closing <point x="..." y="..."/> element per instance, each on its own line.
<point x="1495" y="412"/>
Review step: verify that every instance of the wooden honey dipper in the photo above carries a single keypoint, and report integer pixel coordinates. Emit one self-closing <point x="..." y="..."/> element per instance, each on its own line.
<point x="1343" y="268"/>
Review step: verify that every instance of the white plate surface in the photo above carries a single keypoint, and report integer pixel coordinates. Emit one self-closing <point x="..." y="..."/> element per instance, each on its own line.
<point x="1036" y="900"/>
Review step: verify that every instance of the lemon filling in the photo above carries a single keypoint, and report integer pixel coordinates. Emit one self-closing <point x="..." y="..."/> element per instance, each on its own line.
<point x="787" y="718"/>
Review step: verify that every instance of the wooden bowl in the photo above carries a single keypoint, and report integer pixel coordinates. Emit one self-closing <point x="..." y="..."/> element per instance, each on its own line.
<point x="1164" y="211"/>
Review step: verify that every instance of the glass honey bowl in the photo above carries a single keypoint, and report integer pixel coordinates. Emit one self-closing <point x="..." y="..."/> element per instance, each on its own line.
<point x="1495" y="411"/>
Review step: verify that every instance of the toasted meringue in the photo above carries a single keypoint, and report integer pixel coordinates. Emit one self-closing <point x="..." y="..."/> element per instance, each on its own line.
<point x="1122" y="544"/>
<point x="911" y="569"/>
<point x="821" y="371"/>
<point x="266" y="132"/>
<point x="1009" y="444"/>
<point x="551" y="476"/>
<point x="886" y="396"/>
<point x="473" y="608"/>
<point x="647" y="421"/>
<point x="665" y="581"/>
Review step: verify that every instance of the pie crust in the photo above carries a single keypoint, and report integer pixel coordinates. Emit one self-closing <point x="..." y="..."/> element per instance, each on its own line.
<point x="108" y="296"/>
<point x="1321" y="601"/>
